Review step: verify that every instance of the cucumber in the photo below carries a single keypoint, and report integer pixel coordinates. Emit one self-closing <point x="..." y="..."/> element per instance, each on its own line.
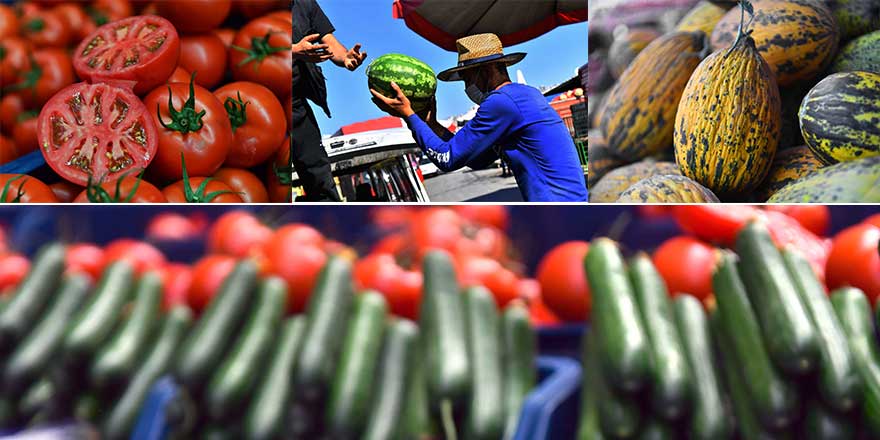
<point x="822" y="423"/>
<point x="838" y="382"/>
<point x="708" y="416"/>
<point x="265" y="417"/>
<point x="854" y="313"/>
<point x="417" y="421"/>
<point x="124" y="413"/>
<point x="520" y="376"/>
<point x="619" y="415"/>
<point x="485" y="414"/>
<point x="31" y="296"/>
<point x="37" y="351"/>
<point x="395" y="373"/>
<point x="96" y="320"/>
<point x="589" y="427"/>
<point x="774" y="400"/>
<point x="233" y="382"/>
<point x="119" y="358"/>
<point x="671" y="377"/>
<point x="657" y="429"/>
<point x="35" y="399"/>
<point x="789" y="334"/>
<point x="447" y="365"/>
<point x="352" y="391"/>
<point x="622" y="341"/>
<point x="87" y="408"/>
<point x="203" y="349"/>
<point x="326" y="315"/>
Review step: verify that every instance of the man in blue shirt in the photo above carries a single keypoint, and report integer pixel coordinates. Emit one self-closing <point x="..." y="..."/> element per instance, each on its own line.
<point x="514" y="122"/>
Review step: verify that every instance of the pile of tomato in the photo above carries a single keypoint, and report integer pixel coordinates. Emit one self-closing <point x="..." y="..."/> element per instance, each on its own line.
<point x="147" y="101"/>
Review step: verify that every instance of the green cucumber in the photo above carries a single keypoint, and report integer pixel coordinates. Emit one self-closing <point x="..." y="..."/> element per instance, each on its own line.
<point x="708" y="416"/>
<point x="203" y="349"/>
<point x="789" y="334"/>
<point x="520" y="376"/>
<point x="124" y="413"/>
<point x="623" y="343"/>
<point x="774" y="400"/>
<point x="233" y="382"/>
<point x="37" y="351"/>
<point x="485" y="415"/>
<point x="265" y="417"/>
<point x="417" y="421"/>
<point x="656" y="429"/>
<point x="31" y="296"/>
<point x="671" y="377"/>
<point x="395" y="373"/>
<point x="839" y="383"/>
<point x="87" y="407"/>
<point x="589" y="427"/>
<point x="327" y="313"/>
<point x="447" y="365"/>
<point x="96" y="319"/>
<point x="854" y="313"/>
<point x="619" y="415"/>
<point x="352" y="391"/>
<point x="35" y="399"/>
<point x="822" y="423"/>
<point x="119" y="358"/>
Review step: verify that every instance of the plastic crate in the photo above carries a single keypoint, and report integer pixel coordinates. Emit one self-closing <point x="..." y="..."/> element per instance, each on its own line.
<point x="549" y="412"/>
<point x="24" y="164"/>
<point x="561" y="340"/>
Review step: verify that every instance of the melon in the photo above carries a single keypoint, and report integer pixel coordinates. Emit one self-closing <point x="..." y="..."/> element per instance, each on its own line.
<point x="788" y="166"/>
<point x="667" y="189"/>
<point x="863" y="54"/>
<point x="856" y="181"/>
<point x="601" y="159"/>
<point x="609" y="188"/>
<point x="415" y="78"/>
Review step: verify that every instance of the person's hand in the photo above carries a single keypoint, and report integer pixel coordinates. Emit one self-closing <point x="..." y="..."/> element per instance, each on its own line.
<point x="307" y="51"/>
<point x="354" y="57"/>
<point x="398" y="106"/>
<point x="429" y="113"/>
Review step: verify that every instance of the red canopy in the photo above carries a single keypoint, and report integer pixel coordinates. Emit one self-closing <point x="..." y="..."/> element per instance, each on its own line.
<point x="514" y="21"/>
<point x="373" y="124"/>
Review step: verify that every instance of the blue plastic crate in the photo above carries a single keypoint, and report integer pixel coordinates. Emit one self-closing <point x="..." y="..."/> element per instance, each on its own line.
<point x="24" y="164"/>
<point x="561" y="340"/>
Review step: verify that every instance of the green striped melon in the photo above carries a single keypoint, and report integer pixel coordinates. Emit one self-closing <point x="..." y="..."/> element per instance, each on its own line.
<point x="789" y="165"/>
<point x="415" y="78"/>
<point x="856" y="181"/>
<point x="862" y="53"/>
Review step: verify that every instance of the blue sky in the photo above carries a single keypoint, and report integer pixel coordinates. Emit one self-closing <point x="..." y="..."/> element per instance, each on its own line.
<point x="552" y="58"/>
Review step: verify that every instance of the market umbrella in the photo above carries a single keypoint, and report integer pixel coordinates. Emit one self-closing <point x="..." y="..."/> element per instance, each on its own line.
<point x="514" y="21"/>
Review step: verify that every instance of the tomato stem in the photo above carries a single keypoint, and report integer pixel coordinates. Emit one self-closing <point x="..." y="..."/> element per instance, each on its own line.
<point x="35" y="25"/>
<point x="5" y="193"/>
<point x="97" y="16"/>
<point x="283" y="174"/>
<point x="198" y="195"/>
<point x="237" y="111"/>
<point x="187" y="119"/>
<point x="29" y="79"/>
<point x="260" y="49"/>
<point x="97" y="194"/>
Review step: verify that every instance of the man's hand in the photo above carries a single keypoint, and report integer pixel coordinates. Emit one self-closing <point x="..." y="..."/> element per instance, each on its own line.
<point x="307" y="51"/>
<point x="398" y="106"/>
<point x="429" y="113"/>
<point x="354" y="57"/>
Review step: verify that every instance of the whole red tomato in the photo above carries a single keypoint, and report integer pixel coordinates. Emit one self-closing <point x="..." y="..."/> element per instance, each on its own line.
<point x="278" y="175"/>
<point x="436" y="228"/>
<point x="873" y="220"/>
<point x="402" y="288"/>
<point x="180" y="75"/>
<point x="21" y="188"/>
<point x="564" y="286"/>
<point x="489" y="215"/>
<point x="482" y="271"/>
<point x="246" y="184"/>
<point x="128" y="189"/>
<point x="105" y="11"/>
<point x="142" y="256"/>
<point x="173" y="226"/>
<point x="295" y="253"/>
<point x="176" y="279"/>
<point x="194" y="124"/>
<point x="85" y="258"/>
<point x="855" y="260"/>
<point x="193" y="16"/>
<point x="15" y="60"/>
<point x="256" y="8"/>
<point x="288" y="111"/>
<point x="815" y="218"/>
<point x="75" y="19"/>
<point x="237" y="233"/>
<point x="686" y="264"/>
<point x="205" y="56"/>
<point x="8" y="151"/>
<point x="45" y="28"/>
<point x="539" y="313"/>
<point x="11" y="107"/>
<point x="208" y="275"/>
<point x="258" y="122"/>
<point x="65" y="191"/>
<point x="49" y="72"/>
<point x="261" y="53"/>
<point x="8" y="22"/>
<point x="24" y="133"/>
<point x="226" y="35"/>
<point x="13" y="269"/>
<point x="200" y="190"/>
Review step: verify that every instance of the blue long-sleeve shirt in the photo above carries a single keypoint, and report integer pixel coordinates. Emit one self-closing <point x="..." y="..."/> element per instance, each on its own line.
<point x="531" y="134"/>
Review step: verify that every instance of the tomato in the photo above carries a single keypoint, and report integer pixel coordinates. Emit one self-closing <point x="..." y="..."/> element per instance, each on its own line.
<point x="172" y="226"/>
<point x="539" y="313"/>
<point x="11" y="107"/>
<point x="106" y="11"/>
<point x="74" y="17"/>
<point x="195" y="126"/>
<point x="653" y="212"/>
<point x="180" y="75"/>
<point x="176" y="281"/>
<point x="402" y="288"/>
<point x="564" y="286"/>
<point x="25" y="133"/>
<point x="261" y="54"/>
<point x="436" y="228"/>
<point x="127" y="189"/>
<point x="193" y="16"/>
<point x="245" y="183"/>
<point x="226" y="35"/>
<point x="45" y="28"/>
<point x="395" y="244"/>
<point x="142" y="50"/>
<point x="13" y="269"/>
<point x="142" y="256"/>
<point x="200" y="190"/>
<point x="815" y="218"/>
<point x="283" y="14"/>
<point x="8" y="152"/>
<point x="69" y="120"/>
<point x="489" y="215"/>
<point x="237" y="233"/>
<point x="65" y="191"/>
<point x="22" y="188"/>
<point x="85" y="258"/>
<point x="4" y="241"/>
<point x="481" y="271"/>
<point x="288" y="111"/>
<point x="855" y="260"/>
<point x="14" y="59"/>
<point x="8" y="22"/>
<point x="298" y="265"/>
<point x="686" y="264"/>
<point x="278" y="181"/>
<point x="208" y="275"/>
<point x="256" y="8"/>
<point x="257" y="120"/>
<point x="50" y="72"/>
<point x="873" y="220"/>
<point x="204" y="55"/>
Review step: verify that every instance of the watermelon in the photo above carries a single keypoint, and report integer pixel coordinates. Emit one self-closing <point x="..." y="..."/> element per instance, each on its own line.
<point x="854" y="181"/>
<point x="415" y="78"/>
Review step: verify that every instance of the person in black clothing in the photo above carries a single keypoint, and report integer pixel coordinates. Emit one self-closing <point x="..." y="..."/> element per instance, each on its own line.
<point x="314" y="44"/>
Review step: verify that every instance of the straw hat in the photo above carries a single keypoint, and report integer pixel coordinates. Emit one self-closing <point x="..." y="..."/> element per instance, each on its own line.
<point x="478" y="50"/>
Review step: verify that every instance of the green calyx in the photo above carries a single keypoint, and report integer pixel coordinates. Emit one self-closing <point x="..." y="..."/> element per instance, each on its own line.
<point x="237" y="111"/>
<point x="5" y="193"/>
<point x="283" y="174"/>
<point x="97" y="16"/>
<point x="97" y="194"/>
<point x="29" y="78"/>
<point x="260" y="49"/>
<point x="187" y="119"/>
<point x="198" y="195"/>
<point x="34" y="25"/>
<point x="744" y="6"/>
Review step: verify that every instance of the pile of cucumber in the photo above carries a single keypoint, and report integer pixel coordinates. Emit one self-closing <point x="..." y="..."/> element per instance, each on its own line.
<point x="775" y="358"/>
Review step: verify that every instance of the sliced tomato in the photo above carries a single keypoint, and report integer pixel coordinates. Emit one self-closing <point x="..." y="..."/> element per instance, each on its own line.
<point x="238" y="233"/>
<point x="246" y="184"/>
<point x="278" y="175"/>
<point x="65" y="191"/>
<point x="48" y="72"/>
<point x="85" y="258"/>
<point x="142" y="256"/>
<point x="258" y="122"/>
<point x="194" y="16"/>
<point x="142" y="50"/>
<point x="45" y="28"/>
<point x="208" y="275"/>
<point x="25" y="133"/>
<point x="204" y="55"/>
<point x="261" y="54"/>
<point x="8" y="22"/>
<point x="21" y="188"/>
<point x="200" y="190"/>
<point x="127" y="189"/>
<point x="96" y="131"/>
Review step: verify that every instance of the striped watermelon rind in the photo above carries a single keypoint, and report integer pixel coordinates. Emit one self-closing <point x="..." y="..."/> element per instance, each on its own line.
<point x="862" y="53"/>
<point x="415" y="78"/>
<point x="856" y="181"/>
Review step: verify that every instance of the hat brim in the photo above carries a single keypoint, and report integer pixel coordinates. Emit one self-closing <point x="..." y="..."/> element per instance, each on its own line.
<point x="453" y="74"/>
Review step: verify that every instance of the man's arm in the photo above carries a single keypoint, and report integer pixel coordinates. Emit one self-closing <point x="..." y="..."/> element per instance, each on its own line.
<point x="342" y="57"/>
